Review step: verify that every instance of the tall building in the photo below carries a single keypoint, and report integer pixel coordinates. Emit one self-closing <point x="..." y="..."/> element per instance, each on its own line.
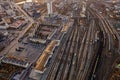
<point x="49" y="6"/>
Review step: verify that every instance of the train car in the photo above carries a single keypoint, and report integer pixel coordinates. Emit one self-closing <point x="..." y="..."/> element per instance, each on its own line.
<point x="104" y="40"/>
<point x="110" y="44"/>
<point x="97" y="36"/>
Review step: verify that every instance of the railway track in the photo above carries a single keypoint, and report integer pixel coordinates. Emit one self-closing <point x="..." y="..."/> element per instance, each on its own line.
<point x="59" y="58"/>
<point x="74" y="61"/>
<point x="83" y="66"/>
<point x="64" y="65"/>
<point x="111" y="44"/>
<point x="90" y="53"/>
<point x="64" y="59"/>
<point x="109" y="32"/>
<point x="72" y="53"/>
<point x="72" y="69"/>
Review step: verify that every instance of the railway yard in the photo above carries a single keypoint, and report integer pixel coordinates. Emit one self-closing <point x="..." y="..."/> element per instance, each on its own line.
<point x="59" y="40"/>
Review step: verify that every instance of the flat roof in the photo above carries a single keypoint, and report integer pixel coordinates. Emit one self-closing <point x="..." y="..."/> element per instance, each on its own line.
<point x="43" y="59"/>
<point x="51" y="46"/>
